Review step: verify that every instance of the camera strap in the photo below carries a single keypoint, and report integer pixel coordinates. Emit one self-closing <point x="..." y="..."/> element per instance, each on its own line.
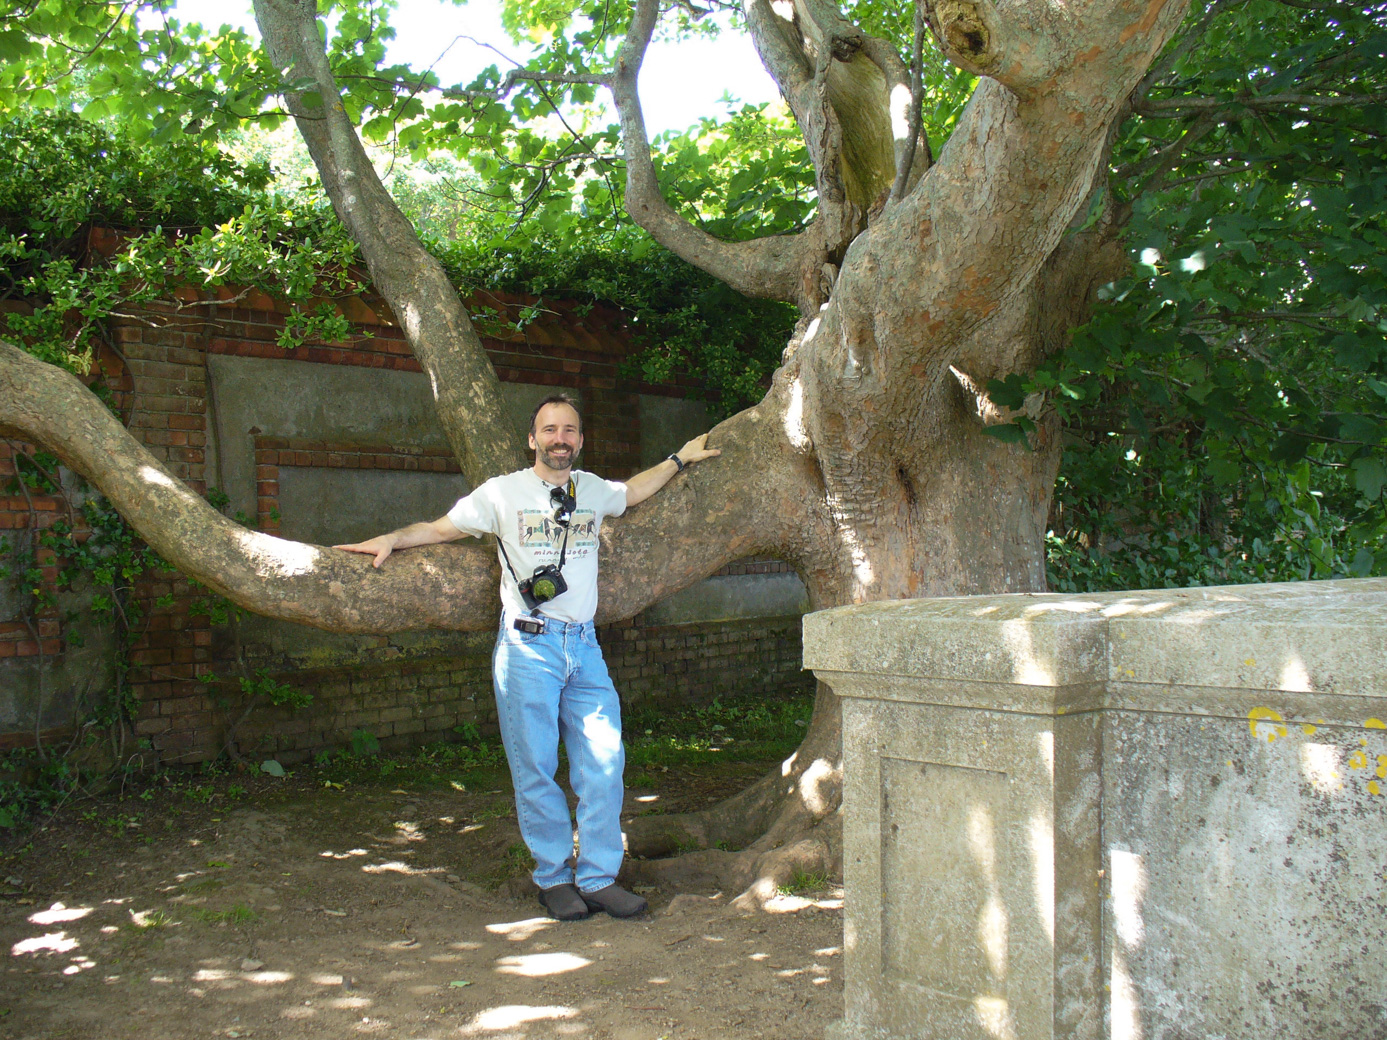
<point x="563" y="549"/>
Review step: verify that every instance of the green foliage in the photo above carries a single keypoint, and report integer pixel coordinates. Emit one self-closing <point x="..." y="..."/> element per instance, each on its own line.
<point x="804" y="882"/>
<point x="1227" y="404"/>
<point x="683" y="319"/>
<point x="261" y="686"/>
<point x="188" y="216"/>
<point x="742" y="730"/>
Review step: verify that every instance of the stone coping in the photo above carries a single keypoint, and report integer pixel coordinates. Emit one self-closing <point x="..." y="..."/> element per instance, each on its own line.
<point x="1312" y="651"/>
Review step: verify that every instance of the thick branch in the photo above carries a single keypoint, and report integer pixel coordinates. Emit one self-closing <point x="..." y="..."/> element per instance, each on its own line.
<point x="465" y="386"/>
<point x="766" y="267"/>
<point x="749" y="500"/>
<point x="446" y="587"/>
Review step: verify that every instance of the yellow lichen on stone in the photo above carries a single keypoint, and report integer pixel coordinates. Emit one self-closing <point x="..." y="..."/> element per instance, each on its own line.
<point x="1266" y="715"/>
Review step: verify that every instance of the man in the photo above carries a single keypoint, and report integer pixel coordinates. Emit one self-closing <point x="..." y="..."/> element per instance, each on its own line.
<point x="551" y="682"/>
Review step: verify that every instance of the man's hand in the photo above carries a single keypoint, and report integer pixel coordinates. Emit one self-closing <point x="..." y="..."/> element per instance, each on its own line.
<point x="381" y="546"/>
<point x="697" y="450"/>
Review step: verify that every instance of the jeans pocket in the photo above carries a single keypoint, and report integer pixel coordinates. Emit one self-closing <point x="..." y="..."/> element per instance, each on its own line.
<point x="590" y="638"/>
<point x="516" y="637"/>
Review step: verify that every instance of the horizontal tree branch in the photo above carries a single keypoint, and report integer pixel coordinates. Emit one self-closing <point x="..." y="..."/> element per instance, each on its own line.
<point x="1270" y="101"/>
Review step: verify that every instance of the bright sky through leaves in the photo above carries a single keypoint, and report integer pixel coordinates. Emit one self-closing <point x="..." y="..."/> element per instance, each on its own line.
<point x="679" y="82"/>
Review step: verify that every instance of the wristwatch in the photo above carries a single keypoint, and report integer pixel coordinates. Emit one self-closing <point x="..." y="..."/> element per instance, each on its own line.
<point x="674" y="458"/>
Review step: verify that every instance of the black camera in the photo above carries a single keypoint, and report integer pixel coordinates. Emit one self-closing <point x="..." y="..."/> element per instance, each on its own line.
<point x="545" y="584"/>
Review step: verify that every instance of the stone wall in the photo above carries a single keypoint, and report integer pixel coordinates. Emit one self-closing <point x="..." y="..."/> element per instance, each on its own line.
<point x="333" y="442"/>
<point x="1145" y="816"/>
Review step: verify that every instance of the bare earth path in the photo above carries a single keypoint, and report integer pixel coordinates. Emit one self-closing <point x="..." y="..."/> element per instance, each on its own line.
<point x="290" y="912"/>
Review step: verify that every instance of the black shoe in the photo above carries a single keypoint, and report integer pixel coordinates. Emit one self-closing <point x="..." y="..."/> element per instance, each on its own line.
<point x="564" y="903"/>
<point x="616" y="901"/>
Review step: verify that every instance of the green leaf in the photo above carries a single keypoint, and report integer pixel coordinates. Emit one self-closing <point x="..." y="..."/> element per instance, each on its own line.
<point x="1008" y="433"/>
<point x="272" y="767"/>
<point x="1369" y="476"/>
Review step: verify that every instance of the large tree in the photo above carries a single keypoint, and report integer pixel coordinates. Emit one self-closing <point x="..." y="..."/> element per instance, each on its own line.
<point x="923" y="284"/>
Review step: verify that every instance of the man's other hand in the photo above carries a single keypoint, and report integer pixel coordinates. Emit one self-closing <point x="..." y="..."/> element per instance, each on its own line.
<point x="697" y="450"/>
<point x="381" y="546"/>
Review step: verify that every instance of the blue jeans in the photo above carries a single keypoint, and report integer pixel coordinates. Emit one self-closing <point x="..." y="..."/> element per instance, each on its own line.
<point x="549" y="687"/>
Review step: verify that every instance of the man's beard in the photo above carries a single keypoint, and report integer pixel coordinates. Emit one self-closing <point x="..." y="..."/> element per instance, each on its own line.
<point x="557" y="462"/>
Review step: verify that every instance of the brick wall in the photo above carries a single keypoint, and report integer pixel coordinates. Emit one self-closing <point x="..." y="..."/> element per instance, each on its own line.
<point x="159" y="373"/>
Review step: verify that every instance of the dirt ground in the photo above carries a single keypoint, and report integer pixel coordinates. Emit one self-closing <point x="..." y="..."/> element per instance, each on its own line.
<point x="296" y="909"/>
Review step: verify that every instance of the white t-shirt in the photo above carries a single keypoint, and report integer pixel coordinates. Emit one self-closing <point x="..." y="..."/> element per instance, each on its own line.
<point x="517" y="509"/>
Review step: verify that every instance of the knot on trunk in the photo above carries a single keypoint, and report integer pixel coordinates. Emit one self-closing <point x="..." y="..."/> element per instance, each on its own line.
<point x="843" y="46"/>
<point x="965" y="34"/>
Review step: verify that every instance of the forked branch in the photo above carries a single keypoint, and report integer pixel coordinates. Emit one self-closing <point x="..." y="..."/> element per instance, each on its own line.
<point x="465" y="387"/>
<point x="766" y="267"/>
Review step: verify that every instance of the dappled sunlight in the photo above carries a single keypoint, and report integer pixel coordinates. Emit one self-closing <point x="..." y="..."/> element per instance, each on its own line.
<point x="58" y="913"/>
<point x="994" y="1016"/>
<point x="1295" y="677"/>
<point x="1319" y="764"/>
<point x="647" y="798"/>
<point x="1027" y="669"/>
<point x="1042" y="841"/>
<point x="1128" y="890"/>
<point x="406" y="831"/>
<point x="603" y="738"/>
<point x="519" y="931"/>
<point x="329" y="854"/>
<point x="788" y="766"/>
<point x="153" y="476"/>
<point x="535" y="965"/>
<point x="900" y="112"/>
<point x="818" y="785"/>
<point x="349" y="1003"/>
<point x="992" y="925"/>
<point x="795" y="432"/>
<point x="53" y="942"/>
<point x="396" y="867"/>
<point x="1126" y="607"/>
<point x="277" y="557"/>
<point x="789" y="904"/>
<point x="1063" y="606"/>
<point x="509" y="1016"/>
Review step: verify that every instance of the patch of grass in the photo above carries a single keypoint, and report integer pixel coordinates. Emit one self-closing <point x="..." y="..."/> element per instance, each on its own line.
<point x="238" y="914"/>
<point x="744" y="730"/>
<point x="151" y="921"/>
<point x="802" y="883"/>
<point x="444" y="764"/>
<point x="203" y="885"/>
<point x="516" y="862"/>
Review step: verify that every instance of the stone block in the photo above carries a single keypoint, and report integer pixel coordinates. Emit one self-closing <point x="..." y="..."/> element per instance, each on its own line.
<point x="1145" y="814"/>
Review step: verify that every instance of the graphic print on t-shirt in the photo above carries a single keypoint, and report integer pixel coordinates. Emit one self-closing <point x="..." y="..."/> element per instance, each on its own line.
<point x="540" y="533"/>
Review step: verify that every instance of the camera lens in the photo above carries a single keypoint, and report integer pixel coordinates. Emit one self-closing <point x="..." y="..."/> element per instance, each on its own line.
<point x="543" y="589"/>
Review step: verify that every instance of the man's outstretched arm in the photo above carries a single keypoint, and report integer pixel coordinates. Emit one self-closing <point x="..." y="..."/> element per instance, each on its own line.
<point x="430" y="533"/>
<point x="643" y="485"/>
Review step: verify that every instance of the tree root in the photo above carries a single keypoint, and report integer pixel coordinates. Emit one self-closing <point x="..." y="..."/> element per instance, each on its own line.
<point x="754" y="842"/>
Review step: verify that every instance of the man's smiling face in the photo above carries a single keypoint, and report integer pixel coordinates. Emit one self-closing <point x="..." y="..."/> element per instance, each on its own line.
<point x="557" y="437"/>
